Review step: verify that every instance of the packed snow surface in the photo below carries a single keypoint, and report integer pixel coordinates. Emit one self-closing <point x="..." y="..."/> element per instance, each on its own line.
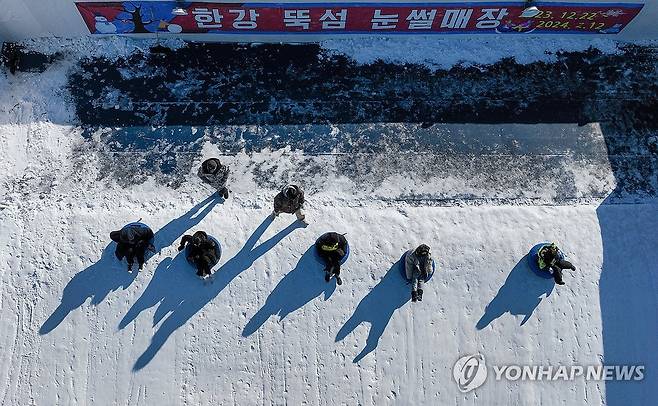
<point x="76" y="328"/>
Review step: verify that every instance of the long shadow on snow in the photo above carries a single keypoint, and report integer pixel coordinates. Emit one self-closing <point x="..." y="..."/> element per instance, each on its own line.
<point x="95" y="282"/>
<point x="189" y="300"/>
<point x="520" y="295"/>
<point x="171" y="232"/>
<point x="108" y="274"/>
<point x="377" y="309"/>
<point x="298" y="287"/>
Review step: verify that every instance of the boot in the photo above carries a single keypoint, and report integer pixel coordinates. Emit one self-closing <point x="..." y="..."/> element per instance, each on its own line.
<point x="337" y="275"/>
<point x="329" y="272"/>
<point x="557" y="276"/>
<point x="414" y="296"/>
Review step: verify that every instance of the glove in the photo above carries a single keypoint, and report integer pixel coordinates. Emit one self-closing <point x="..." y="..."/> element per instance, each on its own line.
<point x="181" y="247"/>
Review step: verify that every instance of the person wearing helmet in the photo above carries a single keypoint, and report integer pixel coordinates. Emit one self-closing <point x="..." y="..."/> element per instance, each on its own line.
<point x="332" y="248"/>
<point x="551" y="258"/>
<point x="290" y="200"/>
<point x="215" y="174"/>
<point x="132" y="242"/>
<point x="418" y="265"/>
<point x="202" y="252"/>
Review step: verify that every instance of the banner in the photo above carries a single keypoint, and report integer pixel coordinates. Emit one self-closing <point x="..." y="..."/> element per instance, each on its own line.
<point x="141" y="17"/>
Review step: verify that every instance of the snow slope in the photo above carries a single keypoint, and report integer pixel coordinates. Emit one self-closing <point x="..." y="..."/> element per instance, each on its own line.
<point x="75" y="328"/>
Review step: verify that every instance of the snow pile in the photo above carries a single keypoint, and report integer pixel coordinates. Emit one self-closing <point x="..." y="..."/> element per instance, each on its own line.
<point x="436" y="53"/>
<point x="441" y="53"/>
<point x="105" y="47"/>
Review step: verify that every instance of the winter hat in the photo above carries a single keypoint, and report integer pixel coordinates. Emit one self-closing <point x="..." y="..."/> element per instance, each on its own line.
<point x="331" y="243"/>
<point x="128" y="235"/>
<point x="199" y="237"/>
<point x="211" y="165"/>
<point x="422" y="250"/>
<point x="290" y="191"/>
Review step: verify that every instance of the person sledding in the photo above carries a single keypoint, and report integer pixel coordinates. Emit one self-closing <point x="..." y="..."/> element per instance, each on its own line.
<point x="550" y="258"/>
<point x="418" y="267"/>
<point x="215" y="174"/>
<point x="202" y="251"/>
<point x="332" y="248"/>
<point x="290" y="200"/>
<point x="133" y="240"/>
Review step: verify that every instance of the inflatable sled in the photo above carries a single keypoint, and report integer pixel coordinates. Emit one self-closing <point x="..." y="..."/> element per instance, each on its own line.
<point x="218" y="251"/>
<point x="533" y="261"/>
<point x="319" y="259"/>
<point x="403" y="268"/>
<point x="138" y="224"/>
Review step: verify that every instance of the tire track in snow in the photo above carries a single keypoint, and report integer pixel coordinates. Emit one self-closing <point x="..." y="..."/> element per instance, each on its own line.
<point x="8" y="303"/>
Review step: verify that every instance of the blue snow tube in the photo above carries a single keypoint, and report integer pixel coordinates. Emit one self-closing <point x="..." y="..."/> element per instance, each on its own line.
<point x="403" y="268"/>
<point x="138" y="225"/>
<point x="320" y="260"/>
<point x="141" y="225"/>
<point x="218" y="250"/>
<point x="533" y="261"/>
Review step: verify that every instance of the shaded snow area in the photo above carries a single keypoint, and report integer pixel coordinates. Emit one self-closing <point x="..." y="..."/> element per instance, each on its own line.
<point x="479" y="162"/>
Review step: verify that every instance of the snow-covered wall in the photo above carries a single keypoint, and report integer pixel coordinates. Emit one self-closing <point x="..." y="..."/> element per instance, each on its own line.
<point x="21" y="19"/>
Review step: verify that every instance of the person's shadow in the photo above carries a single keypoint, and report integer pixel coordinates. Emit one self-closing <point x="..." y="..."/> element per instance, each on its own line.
<point x="173" y="230"/>
<point x="520" y="295"/>
<point x="188" y="301"/>
<point x="377" y="308"/>
<point x="95" y="282"/>
<point x="298" y="287"/>
<point x="109" y="274"/>
<point x="172" y="281"/>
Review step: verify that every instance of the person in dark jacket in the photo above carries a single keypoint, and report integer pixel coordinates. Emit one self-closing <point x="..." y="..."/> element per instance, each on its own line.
<point x="132" y="242"/>
<point x="290" y="200"/>
<point x="417" y="266"/>
<point x="201" y="251"/>
<point x="215" y="174"/>
<point x="552" y="259"/>
<point x="332" y="249"/>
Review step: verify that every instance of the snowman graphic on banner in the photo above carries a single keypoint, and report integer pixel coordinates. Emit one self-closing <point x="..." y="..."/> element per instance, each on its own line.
<point x="103" y="26"/>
